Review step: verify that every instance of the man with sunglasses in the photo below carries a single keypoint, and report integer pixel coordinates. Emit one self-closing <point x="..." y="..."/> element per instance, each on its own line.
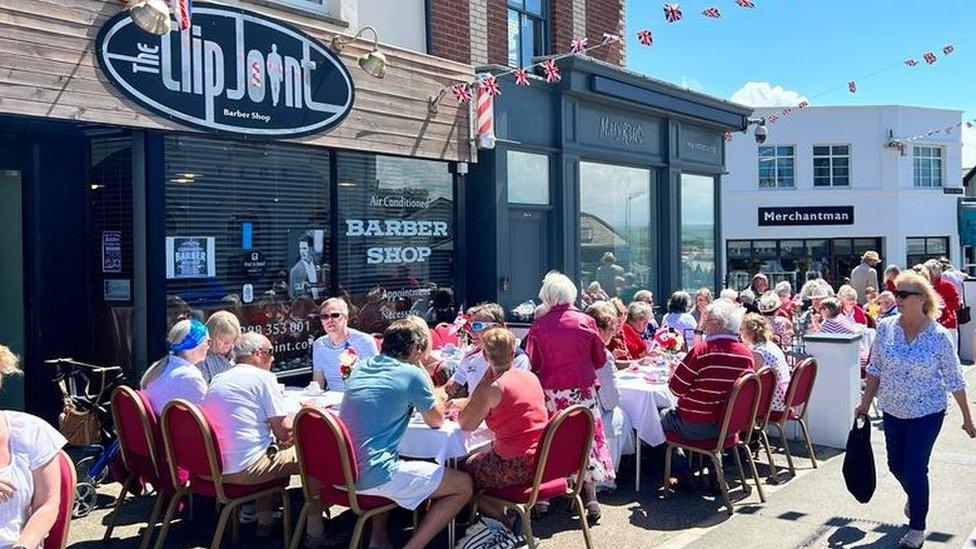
<point x="340" y="343"/>
<point x="474" y="364"/>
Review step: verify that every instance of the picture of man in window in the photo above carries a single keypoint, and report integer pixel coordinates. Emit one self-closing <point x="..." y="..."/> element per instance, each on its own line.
<point x="303" y="280"/>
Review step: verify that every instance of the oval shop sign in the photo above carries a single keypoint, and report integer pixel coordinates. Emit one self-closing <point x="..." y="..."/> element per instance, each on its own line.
<point x="232" y="72"/>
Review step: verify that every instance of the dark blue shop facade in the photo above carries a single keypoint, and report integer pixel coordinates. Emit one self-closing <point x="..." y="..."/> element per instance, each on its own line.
<point x="604" y="164"/>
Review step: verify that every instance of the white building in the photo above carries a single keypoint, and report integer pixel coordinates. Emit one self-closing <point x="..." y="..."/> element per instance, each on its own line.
<point x="830" y="183"/>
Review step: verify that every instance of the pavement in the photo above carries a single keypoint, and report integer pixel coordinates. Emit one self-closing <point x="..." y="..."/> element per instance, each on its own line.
<point x="810" y="510"/>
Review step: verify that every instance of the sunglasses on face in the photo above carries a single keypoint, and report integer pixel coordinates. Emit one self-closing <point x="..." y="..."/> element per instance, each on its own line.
<point x="903" y="294"/>
<point x="333" y="316"/>
<point x="479" y="326"/>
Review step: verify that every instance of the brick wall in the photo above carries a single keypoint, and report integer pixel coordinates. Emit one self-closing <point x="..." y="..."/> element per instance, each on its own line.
<point x="560" y="25"/>
<point x="450" y="36"/>
<point x="606" y="16"/>
<point x="497" y="32"/>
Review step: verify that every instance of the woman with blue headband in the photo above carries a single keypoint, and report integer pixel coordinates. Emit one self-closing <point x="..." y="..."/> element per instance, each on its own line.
<point x="176" y="374"/>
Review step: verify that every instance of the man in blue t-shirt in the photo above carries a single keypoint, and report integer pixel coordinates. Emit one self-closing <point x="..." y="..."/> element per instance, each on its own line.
<point x="381" y="396"/>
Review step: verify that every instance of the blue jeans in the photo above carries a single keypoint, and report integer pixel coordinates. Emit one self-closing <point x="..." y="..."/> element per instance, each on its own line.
<point x="909" y="443"/>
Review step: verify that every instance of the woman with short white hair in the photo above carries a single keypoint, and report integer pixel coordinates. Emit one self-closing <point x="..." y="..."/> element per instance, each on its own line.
<point x="849" y="306"/>
<point x="30" y="474"/>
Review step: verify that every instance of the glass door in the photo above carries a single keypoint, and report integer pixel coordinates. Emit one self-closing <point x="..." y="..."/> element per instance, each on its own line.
<point x="12" y="330"/>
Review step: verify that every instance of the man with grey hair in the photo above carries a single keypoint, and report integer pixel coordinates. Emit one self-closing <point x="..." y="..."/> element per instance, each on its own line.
<point x="704" y="379"/>
<point x="245" y="407"/>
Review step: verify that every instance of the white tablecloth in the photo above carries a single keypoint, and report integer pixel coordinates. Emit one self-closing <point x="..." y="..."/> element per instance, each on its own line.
<point x="641" y="402"/>
<point x="419" y="441"/>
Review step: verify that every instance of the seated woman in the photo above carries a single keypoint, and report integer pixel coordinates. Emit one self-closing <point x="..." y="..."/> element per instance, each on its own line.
<point x="638" y="318"/>
<point x="618" y="341"/>
<point x="678" y="318"/>
<point x="757" y="335"/>
<point x="848" y="301"/>
<point x="30" y="475"/>
<point x="474" y="364"/>
<point x="176" y="375"/>
<point x="616" y="425"/>
<point x="511" y="402"/>
<point x="781" y="327"/>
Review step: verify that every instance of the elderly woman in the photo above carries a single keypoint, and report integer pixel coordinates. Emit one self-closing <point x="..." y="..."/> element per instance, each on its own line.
<point x="647" y="296"/>
<point x="678" y="318"/>
<point x="176" y="374"/>
<point x="891" y="272"/>
<point x="30" y="475"/>
<point x="638" y="319"/>
<point x="833" y="319"/>
<point x="747" y="298"/>
<point x="224" y="329"/>
<point x="848" y="301"/>
<point x="912" y="369"/>
<point x="703" y="298"/>
<point x="760" y="284"/>
<point x="565" y="350"/>
<point x="475" y="363"/>
<point x="339" y="344"/>
<point x="780" y="326"/>
<point x="757" y="336"/>
<point x="948" y="294"/>
<point x="616" y="424"/>
<point x="784" y="291"/>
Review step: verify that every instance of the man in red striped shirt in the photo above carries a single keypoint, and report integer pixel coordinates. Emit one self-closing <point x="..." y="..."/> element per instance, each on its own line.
<point x="704" y="379"/>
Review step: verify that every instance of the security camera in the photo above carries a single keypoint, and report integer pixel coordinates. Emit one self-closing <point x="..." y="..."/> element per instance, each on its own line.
<point x="760" y="132"/>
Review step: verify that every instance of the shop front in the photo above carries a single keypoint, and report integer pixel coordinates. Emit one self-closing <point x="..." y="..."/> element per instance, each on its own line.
<point x="241" y="165"/>
<point x="608" y="176"/>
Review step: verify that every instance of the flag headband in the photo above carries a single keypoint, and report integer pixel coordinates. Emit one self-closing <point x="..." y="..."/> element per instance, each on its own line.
<point x="196" y="336"/>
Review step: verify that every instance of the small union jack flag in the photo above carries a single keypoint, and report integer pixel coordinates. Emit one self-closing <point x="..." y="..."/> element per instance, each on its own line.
<point x="521" y="77"/>
<point x="645" y="37"/>
<point x="578" y="44"/>
<point x="490" y="86"/>
<point x="911" y="62"/>
<point x="712" y="12"/>
<point x="462" y="92"/>
<point x="948" y="130"/>
<point x="672" y="12"/>
<point x="772" y="118"/>
<point x="728" y="136"/>
<point x="552" y="71"/>
<point x="969" y="124"/>
<point x="930" y="58"/>
<point x="803" y="105"/>
<point x="852" y="86"/>
<point x="948" y="49"/>
<point x="609" y="38"/>
<point x="745" y="3"/>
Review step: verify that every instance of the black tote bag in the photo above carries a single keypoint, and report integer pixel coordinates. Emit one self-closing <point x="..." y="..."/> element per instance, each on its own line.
<point x="859" y="473"/>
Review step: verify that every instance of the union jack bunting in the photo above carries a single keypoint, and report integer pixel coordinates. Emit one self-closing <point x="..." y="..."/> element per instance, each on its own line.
<point x="911" y="62"/>
<point x="490" y="86"/>
<point x="610" y="38"/>
<point x="672" y="12"/>
<point x="930" y="58"/>
<point x="728" y="136"/>
<point x="521" y="77"/>
<point x="578" y="44"/>
<point x="712" y="12"/>
<point x="803" y="105"/>
<point x="852" y="86"/>
<point x="183" y="10"/>
<point x="948" y="130"/>
<point x="552" y="71"/>
<point x="462" y="92"/>
<point x="969" y="124"/>
<point x="772" y="118"/>
<point x="948" y="49"/>
<point x="745" y="3"/>
<point x="645" y="37"/>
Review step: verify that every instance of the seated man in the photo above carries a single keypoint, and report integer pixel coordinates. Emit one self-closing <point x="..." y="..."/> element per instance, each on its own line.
<point x="704" y="379"/>
<point x="474" y="364"/>
<point x="245" y="407"/>
<point x="381" y="395"/>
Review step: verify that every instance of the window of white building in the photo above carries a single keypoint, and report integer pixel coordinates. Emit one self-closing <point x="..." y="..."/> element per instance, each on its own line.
<point x="776" y="168"/>
<point x="921" y="249"/>
<point x="831" y="165"/>
<point x="927" y="163"/>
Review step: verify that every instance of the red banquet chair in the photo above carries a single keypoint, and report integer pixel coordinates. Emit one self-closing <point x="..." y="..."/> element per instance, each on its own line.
<point x="739" y="417"/>
<point x="326" y="455"/>
<point x="191" y="444"/>
<point x="564" y="452"/>
<point x="141" y="445"/>
<point x="57" y="538"/>
<point x="767" y="389"/>
<point x="797" y="397"/>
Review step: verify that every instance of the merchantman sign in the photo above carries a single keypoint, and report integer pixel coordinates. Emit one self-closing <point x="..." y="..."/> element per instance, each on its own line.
<point x="233" y="71"/>
<point x="806" y="215"/>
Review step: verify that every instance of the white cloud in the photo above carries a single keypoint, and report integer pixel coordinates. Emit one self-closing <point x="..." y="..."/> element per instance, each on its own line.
<point x="968" y="147"/>
<point x="764" y="94"/>
<point x="690" y="83"/>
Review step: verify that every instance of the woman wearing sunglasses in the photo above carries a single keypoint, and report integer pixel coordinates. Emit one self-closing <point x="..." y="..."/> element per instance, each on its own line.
<point x="339" y="344"/>
<point x="912" y="368"/>
<point x="474" y="364"/>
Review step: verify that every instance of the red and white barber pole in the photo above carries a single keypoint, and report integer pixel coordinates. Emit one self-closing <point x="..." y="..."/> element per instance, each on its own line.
<point x="486" y="119"/>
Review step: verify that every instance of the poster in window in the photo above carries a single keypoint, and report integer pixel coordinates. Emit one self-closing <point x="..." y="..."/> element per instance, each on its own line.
<point x="111" y="251"/>
<point x="190" y="257"/>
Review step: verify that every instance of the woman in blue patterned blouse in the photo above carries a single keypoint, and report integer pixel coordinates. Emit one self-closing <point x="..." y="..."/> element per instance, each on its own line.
<point x="913" y="367"/>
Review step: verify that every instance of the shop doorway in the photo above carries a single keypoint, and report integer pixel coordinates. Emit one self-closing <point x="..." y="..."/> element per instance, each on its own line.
<point x="12" y="331"/>
<point x="528" y="255"/>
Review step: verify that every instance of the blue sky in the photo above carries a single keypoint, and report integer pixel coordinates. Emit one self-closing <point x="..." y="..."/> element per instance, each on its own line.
<point x="814" y="47"/>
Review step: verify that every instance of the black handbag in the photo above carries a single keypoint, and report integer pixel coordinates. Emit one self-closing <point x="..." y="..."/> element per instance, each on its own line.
<point x="859" y="472"/>
<point x="963" y="314"/>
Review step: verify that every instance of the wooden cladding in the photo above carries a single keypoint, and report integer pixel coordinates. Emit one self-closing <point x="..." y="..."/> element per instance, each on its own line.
<point x="48" y="68"/>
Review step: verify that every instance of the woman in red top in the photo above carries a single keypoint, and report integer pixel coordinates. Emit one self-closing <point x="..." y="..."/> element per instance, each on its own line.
<point x="512" y="404"/>
<point x="890" y="274"/>
<point x="565" y="351"/>
<point x="848" y="300"/>
<point x="949" y="295"/>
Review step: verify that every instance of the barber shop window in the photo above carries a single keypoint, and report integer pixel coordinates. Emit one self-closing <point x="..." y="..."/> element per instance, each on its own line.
<point x="248" y="230"/>
<point x="526" y="31"/>
<point x="396" y="239"/>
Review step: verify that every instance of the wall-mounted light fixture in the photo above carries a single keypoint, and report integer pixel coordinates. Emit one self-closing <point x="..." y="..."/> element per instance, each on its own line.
<point x="151" y="16"/>
<point x="373" y="62"/>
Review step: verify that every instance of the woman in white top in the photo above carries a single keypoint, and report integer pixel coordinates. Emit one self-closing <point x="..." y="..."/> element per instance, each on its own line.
<point x="758" y="336"/>
<point x="176" y="374"/>
<point x="678" y="318"/>
<point x="30" y="475"/>
<point x="616" y="425"/>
